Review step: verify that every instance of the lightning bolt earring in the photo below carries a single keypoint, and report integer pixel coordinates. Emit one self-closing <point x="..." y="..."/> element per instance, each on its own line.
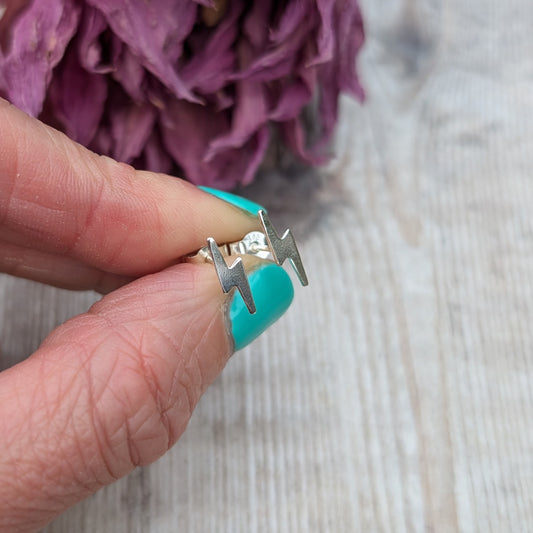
<point x="283" y="248"/>
<point x="233" y="276"/>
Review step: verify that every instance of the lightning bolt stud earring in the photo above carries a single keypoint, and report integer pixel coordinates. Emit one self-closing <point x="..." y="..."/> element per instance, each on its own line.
<point x="253" y="244"/>
<point x="283" y="248"/>
<point x="233" y="276"/>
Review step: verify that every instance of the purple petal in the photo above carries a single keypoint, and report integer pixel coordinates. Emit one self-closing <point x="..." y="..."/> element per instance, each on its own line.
<point x="155" y="32"/>
<point x="212" y="55"/>
<point x="188" y="129"/>
<point x="78" y="98"/>
<point x="293" y="133"/>
<point x="155" y="158"/>
<point x="238" y="166"/>
<point x="256" y="24"/>
<point x="92" y="26"/>
<point x="206" y="3"/>
<point x="257" y="148"/>
<point x="279" y="61"/>
<point x="40" y="36"/>
<point x="326" y="36"/>
<point x="290" y="20"/>
<point x="128" y="70"/>
<point x="131" y="127"/>
<point x="249" y="115"/>
<point x="294" y="95"/>
<point x="102" y="142"/>
<point x="9" y="10"/>
<point x="340" y="74"/>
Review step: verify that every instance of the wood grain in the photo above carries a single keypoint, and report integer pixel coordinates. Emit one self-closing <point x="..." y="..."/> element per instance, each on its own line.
<point x="396" y="395"/>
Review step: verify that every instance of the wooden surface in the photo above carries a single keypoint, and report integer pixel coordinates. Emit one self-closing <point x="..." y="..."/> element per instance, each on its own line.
<point x="396" y="395"/>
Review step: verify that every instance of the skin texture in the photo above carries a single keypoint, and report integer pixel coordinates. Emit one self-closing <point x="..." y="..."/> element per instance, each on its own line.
<point x="115" y="387"/>
<point x="58" y="200"/>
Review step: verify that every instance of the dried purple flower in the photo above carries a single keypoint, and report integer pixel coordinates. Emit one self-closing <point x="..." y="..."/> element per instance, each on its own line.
<point x="198" y="83"/>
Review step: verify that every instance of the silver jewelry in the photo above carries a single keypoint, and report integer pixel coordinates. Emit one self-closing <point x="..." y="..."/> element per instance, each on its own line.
<point x="233" y="276"/>
<point x="283" y="248"/>
<point x="267" y="246"/>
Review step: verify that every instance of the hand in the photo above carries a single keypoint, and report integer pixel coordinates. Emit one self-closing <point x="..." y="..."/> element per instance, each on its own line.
<point x="115" y="387"/>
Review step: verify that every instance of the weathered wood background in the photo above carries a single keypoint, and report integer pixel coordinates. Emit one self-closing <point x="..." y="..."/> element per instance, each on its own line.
<point x="397" y="393"/>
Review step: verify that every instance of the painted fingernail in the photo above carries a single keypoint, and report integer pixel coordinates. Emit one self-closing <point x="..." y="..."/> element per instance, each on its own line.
<point x="237" y="201"/>
<point x="273" y="293"/>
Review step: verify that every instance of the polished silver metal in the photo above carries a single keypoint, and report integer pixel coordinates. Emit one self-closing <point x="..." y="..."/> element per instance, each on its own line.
<point x="283" y="248"/>
<point x="232" y="276"/>
<point x="254" y="243"/>
<point x="267" y="246"/>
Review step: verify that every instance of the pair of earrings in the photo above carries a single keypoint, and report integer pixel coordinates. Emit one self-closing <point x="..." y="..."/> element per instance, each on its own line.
<point x="263" y="245"/>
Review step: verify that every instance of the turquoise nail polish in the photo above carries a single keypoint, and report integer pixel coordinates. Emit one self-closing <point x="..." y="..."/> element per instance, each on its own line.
<point x="273" y="293"/>
<point x="237" y="201"/>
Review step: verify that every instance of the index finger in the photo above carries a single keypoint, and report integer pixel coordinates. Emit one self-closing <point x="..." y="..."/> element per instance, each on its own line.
<point x="56" y="196"/>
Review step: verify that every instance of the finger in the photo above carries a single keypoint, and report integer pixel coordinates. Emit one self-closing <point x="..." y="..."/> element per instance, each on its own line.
<point x="107" y="391"/>
<point x="115" y="387"/>
<point x="56" y="270"/>
<point x="59" y="197"/>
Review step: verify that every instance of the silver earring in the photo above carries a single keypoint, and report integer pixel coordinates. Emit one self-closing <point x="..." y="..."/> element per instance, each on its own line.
<point x="233" y="276"/>
<point x="283" y="248"/>
<point x="267" y="246"/>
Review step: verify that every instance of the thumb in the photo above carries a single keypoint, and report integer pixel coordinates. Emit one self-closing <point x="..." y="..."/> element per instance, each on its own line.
<point x="114" y="388"/>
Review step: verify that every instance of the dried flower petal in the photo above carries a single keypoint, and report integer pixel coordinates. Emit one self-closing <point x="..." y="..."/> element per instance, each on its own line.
<point x="93" y="25"/>
<point x="39" y="39"/>
<point x="155" y="32"/>
<point x="200" y="84"/>
<point x="77" y="98"/>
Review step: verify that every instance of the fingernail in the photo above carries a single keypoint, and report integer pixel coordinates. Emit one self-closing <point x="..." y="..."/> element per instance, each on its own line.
<point x="273" y="293"/>
<point x="237" y="201"/>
